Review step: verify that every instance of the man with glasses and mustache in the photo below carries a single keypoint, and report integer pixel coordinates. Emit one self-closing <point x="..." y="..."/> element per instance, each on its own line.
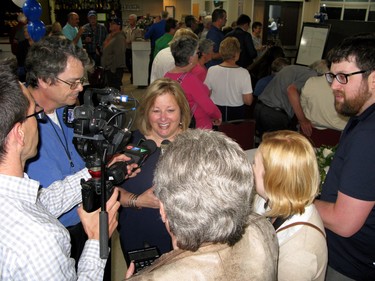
<point x="55" y="77"/>
<point x="347" y="202"/>
<point x="34" y="245"/>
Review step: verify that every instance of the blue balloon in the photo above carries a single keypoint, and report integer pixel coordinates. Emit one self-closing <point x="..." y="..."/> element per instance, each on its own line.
<point x="32" y="10"/>
<point x="36" y="30"/>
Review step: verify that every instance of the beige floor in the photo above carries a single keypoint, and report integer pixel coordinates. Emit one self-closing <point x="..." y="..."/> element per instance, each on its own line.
<point x="118" y="262"/>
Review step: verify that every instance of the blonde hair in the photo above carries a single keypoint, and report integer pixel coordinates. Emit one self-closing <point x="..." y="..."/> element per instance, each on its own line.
<point x="229" y="47"/>
<point x="183" y="32"/>
<point x="158" y="88"/>
<point x="291" y="175"/>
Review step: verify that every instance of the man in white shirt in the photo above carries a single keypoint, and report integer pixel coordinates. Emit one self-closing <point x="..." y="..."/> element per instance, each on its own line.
<point x="34" y="245"/>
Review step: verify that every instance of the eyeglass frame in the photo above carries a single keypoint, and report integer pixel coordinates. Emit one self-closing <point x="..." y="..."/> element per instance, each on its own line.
<point x="73" y="85"/>
<point x="334" y="76"/>
<point x="39" y="115"/>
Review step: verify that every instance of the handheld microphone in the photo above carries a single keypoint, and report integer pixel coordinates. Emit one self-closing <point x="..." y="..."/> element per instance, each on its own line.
<point x="138" y="154"/>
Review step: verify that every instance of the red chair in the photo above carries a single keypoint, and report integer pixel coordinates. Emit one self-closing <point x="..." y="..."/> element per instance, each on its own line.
<point x="324" y="137"/>
<point x="242" y="131"/>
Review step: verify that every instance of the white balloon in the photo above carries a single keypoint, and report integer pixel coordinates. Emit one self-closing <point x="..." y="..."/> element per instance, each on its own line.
<point x="19" y="3"/>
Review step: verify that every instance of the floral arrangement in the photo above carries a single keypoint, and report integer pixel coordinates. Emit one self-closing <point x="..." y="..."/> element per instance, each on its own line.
<point x="324" y="155"/>
<point x="144" y="22"/>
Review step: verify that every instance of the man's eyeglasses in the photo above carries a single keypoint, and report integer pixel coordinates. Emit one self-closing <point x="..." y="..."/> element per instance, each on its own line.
<point x="39" y="115"/>
<point x="73" y="85"/>
<point x="342" y="78"/>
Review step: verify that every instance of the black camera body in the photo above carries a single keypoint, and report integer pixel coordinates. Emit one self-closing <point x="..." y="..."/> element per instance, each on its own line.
<point x="99" y="133"/>
<point x="91" y="193"/>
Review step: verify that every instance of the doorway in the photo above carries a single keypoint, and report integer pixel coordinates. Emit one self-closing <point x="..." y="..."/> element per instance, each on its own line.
<point x="286" y="15"/>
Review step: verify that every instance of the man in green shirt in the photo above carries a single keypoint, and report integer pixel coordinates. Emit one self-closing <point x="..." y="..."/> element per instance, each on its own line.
<point x="170" y="30"/>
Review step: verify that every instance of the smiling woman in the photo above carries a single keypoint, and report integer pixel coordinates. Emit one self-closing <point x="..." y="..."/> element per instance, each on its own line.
<point x="163" y="114"/>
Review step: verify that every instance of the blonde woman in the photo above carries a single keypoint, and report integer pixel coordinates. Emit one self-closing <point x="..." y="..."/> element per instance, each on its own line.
<point x="230" y="84"/>
<point x="287" y="178"/>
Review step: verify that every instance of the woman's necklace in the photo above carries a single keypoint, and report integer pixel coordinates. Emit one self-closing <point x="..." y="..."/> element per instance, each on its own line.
<point x="65" y="146"/>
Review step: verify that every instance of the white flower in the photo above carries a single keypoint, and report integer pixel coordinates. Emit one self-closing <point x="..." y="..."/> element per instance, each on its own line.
<point x="326" y="152"/>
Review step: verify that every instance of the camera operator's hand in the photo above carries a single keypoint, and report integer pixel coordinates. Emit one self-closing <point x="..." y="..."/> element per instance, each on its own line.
<point x="90" y="221"/>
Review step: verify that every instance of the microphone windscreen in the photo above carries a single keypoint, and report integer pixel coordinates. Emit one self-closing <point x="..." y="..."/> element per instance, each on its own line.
<point x="165" y="142"/>
<point x="149" y="145"/>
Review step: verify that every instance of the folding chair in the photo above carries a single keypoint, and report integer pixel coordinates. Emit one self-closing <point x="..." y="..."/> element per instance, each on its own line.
<point x="242" y="131"/>
<point x="324" y="137"/>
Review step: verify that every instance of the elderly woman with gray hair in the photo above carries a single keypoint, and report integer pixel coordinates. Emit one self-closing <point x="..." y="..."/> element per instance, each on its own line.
<point x="185" y="54"/>
<point x="206" y="208"/>
<point x="205" y="52"/>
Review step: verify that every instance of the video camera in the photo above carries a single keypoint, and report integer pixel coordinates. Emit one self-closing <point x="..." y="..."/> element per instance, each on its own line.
<point x="100" y="131"/>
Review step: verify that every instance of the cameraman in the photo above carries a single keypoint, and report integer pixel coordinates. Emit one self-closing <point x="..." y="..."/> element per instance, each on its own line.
<point x="34" y="245"/>
<point x="55" y="76"/>
<point x="94" y="36"/>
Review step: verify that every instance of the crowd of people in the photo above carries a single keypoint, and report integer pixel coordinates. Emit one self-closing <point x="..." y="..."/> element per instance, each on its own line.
<point x="210" y="212"/>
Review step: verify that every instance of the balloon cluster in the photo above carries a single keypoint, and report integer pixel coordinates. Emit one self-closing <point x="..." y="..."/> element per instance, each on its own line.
<point x="32" y="10"/>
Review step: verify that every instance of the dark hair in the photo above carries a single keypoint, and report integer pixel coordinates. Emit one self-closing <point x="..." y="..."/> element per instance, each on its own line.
<point x="182" y="49"/>
<point x="10" y="62"/>
<point x="13" y="104"/>
<point x="227" y="29"/>
<point x="361" y="47"/>
<point x="169" y="24"/>
<point x="243" y="19"/>
<point x="48" y="57"/>
<point x="256" y="24"/>
<point x="262" y="66"/>
<point x="218" y="14"/>
<point x="190" y="20"/>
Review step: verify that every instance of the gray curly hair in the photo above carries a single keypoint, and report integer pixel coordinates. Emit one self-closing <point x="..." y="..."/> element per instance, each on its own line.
<point x="205" y="182"/>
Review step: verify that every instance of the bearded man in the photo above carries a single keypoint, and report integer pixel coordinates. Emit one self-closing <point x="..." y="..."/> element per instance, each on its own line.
<point x="347" y="203"/>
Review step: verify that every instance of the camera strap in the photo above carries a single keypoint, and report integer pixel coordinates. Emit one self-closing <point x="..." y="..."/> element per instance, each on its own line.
<point x="65" y="146"/>
<point x="302" y="223"/>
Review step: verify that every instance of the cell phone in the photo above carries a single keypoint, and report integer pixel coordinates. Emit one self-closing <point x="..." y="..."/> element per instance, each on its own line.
<point x="143" y="257"/>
